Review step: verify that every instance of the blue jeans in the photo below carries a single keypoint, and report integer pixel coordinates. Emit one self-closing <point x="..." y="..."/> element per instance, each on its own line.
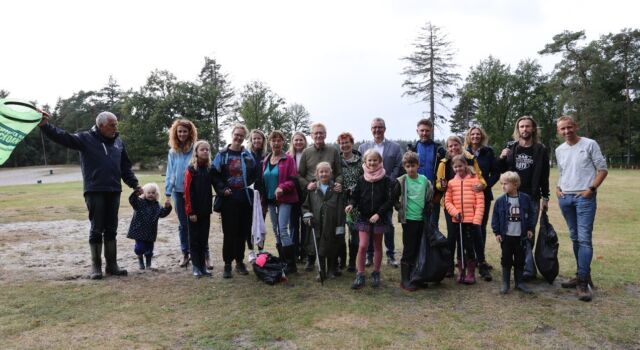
<point x="280" y="223"/>
<point x="579" y="213"/>
<point x="183" y="223"/>
<point x="143" y="248"/>
<point x="389" y="236"/>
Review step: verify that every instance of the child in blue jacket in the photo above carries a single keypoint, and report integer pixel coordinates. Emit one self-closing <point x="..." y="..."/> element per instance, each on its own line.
<point x="513" y="223"/>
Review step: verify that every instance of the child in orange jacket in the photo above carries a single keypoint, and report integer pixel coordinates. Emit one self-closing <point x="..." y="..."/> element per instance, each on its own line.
<point x="466" y="208"/>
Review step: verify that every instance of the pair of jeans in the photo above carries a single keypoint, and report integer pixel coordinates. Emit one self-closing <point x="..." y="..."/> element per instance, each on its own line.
<point x="143" y="248"/>
<point x="389" y="237"/>
<point x="103" y="214"/>
<point x="280" y="215"/>
<point x="579" y="213"/>
<point x="183" y="223"/>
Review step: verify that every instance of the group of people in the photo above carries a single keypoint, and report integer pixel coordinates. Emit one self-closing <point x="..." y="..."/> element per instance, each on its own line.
<point x="324" y="203"/>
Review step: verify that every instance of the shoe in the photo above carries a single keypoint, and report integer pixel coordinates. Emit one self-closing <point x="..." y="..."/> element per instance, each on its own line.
<point x="351" y="268"/>
<point x="185" y="260"/>
<point x="197" y="273"/>
<point x="375" y="279"/>
<point x="226" y="273"/>
<point x="311" y="259"/>
<point x="207" y="263"/>
<point x="241" y="269"/>
<point x="450" y="272"/>
<point x="333" y="271"/>
<point x="111" y="255"/>
<point x="506" y="281"/>
<point x="206" y="273"/>
<point x="290" y="259"/>
<point x="483" y="268"/>
<point x="573" y="283"/>
<point x="391" y="261"/>
<point x="405" y="279"/>
<point x="359" y="281"/>
<point x="368" y="262"/>
<point x="461" y="272"/>
<point x="470" y="276"/>
<point x="518" y="274"/>
<point x="584" y="293"/>
<point x="140" y="262"/>
<point x="96" y="261"/>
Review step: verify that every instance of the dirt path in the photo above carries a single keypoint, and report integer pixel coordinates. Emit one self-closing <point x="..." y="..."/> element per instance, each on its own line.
<point x="45" y="174"/>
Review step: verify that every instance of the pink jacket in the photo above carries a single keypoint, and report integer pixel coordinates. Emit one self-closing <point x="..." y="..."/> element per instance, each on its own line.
<point x="461" y="198"/>
<point x="287" y="172"/>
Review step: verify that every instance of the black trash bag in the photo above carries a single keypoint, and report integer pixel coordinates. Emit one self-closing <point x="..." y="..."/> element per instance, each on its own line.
<point x="434" y="257"/>
<point x="272" y="271"/>
<point x="529" y="263"/>
<point x="547" y="250"/>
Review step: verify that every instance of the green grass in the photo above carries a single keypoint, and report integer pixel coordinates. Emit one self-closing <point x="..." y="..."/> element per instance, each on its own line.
<point x="171" y="310"/>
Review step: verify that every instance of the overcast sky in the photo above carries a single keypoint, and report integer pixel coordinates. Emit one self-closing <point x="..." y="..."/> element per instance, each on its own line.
<point x="340" y="59"/>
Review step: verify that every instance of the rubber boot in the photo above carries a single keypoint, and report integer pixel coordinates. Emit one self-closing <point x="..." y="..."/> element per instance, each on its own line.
<point x="311" y="260"/>
<point x="353" y="252"/>
<point x="506" y="280"/>
<point x="518" y="274"/>
<point x="140" y="262"/>
<point x="405" y="278"/>
<point x="241" y="269"/>
<point x="226" y="273"/>
<point x="461" y="271"/>
<point x="375" y="279"/>
<point x="96" y="261"/>
<point x="584" y="293"/>
<point x="185" y="260"/>
<point x="342" y="255"/>
<point x="149" y="261"/>
<point x="483" y="268"/>
<point x="470" y="277"/>
<point x="111" y="255"/>
<point x="290" y="252"/>
<point x="359" y="281"/>
<point x="332" y="267"/>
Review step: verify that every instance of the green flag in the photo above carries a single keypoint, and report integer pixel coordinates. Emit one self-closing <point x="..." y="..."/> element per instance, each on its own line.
<point x="17" y="119"/>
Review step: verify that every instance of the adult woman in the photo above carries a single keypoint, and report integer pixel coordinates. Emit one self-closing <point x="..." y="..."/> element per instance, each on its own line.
<point x="234" y="170"/>
<point x="351" y="172"/>
<point x="277" y="187"/>
<point x="257" y="143"/>
<point x="443" y="175"/>
<point x="182" y="135"/>
<point x="298" y="144"/>
<point x="475" y="142"/>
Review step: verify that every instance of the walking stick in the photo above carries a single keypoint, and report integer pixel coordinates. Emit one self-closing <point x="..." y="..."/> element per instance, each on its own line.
<point x="315" y="244"/>
<point x="461" y="248"/>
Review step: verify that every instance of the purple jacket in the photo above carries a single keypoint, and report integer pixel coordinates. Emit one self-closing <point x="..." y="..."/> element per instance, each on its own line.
<point x="287" y="172"/>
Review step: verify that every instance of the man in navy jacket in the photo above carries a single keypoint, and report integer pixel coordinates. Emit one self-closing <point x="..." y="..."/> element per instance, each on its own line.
<point x="103" y="161"/>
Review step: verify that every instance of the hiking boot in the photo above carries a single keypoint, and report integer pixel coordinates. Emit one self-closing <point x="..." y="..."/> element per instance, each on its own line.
<point x="140" y="262"/>
<point x="405" y="279"/>
<point x="241" y="269"/>
<point x="391" y="261"/>
<point x="375" y="279"/>
<point x="573" y="283"/>
<point x="470" y="277"/>
<point x="226" y="273"/>
<point x="150" y="266"/>
<point x="518" y="276"/>
<point x="483" y="268"/>
<point x="185" y="260"/>
<point x="207" y="263"/>
<point x="506" y="280"/>
<point x="311" y="259"/>
<point x="368" y="262"/>
<point x="111" y="255"/>
<point x="96" y="261"/>
<point x="584" y="293"/>
<point x="359" y="281"/>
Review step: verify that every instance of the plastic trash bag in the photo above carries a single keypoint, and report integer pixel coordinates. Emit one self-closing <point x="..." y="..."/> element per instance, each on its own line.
<point x="546" y="252"/>
<point x="434" y="257"/>
<point x="269" y="269"/>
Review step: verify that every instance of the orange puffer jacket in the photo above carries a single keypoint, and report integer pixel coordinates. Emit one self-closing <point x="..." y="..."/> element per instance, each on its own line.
<point x="461" y="198"/>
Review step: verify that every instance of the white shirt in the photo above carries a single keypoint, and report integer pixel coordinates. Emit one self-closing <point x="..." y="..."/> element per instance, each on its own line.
<point x="578" y="165"/>
<point x="379" y="147"/>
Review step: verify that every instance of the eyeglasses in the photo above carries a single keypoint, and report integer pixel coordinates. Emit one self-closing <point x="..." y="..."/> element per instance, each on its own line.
<point x="377" y="128"/>
<point x="318" y="133"/>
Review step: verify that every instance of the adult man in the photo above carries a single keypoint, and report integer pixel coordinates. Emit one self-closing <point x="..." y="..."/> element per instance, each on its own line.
<point x="429" y="154"/>
<point x="392" y="161"/>
<point x="582" y="169"/>
<point x="104" y="161"/>
<point x="530" y="159"/>
<point x="311" y="156"/>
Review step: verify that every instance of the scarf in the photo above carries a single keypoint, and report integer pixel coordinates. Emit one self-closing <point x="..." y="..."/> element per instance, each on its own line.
<point x="375" y="174"/>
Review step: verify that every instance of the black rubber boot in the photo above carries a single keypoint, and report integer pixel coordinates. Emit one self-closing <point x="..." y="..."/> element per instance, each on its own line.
<point x="405" y="276"/>
<point x="311" y="260"/>
<point x="241" y="269"/>
<point x="96" y="261"/>
<point x="226" y="273"/>
<point x="375" y="279"/>
<point x="140" y="262"/>
<point x="332" y="267"/>
<point x="518" y="274"/>
<point x="290" y="256"/>
<point x="506" y="280"/>
<point x="359" y="281"/>
<point x="111" y="255"/>
<point x="149" y="260"/>
<point x="485" y="273"/>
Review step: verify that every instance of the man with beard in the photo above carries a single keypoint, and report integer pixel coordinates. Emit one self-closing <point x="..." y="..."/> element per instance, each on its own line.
<point x="530" y="159"/>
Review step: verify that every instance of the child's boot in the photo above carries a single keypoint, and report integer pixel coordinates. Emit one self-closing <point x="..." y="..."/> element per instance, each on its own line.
<point x="506" y="280"/>
<point x="359" y="281"/>
<point x="470" y="277"/>
<point x="96" y="261"/>
<point x="460" y="271"/>
<point x="140" y="262"/>
<point x="483" y="268"/>
<point x="149" y="260"/>
<point x="518" y="274"/>
<point x="405" y="275"/>
<point x="226" y="273"/>
<point x="375" y="279"/>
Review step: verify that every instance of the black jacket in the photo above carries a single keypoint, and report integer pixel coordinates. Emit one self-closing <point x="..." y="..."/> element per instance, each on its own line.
<point x="103" y="161"/>
<point x="198" y="191"/>
<point x="373" y="198"/>
<point x="144" y="224"/>
<point x="540" y="181"/>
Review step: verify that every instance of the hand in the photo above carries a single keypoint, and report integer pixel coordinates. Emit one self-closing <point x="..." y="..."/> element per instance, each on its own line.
<point x="193" y="218"/>
<point x="478" y="188"/>
<point x="499" y="238"/>
<point x="45" y="117"/>
<point x="138" y="190"/>
<point x="459" y="216"/>
<point x="227" y="192"/>
<point x="529" y="234"/>
<point x="505" y="153"/>
<point x="337" y="187"/>
<point x="348" y="208"/>
<point x="373" y="219"/>
<point x="307" y="221"/>
<point x="279" y="192"/>
<point x="167" y="203"/>
<point x="312" y="186"/>
<point x="586" y="193"/>
<point x="443" y="184"/>
<point x="544" y="205"/>
<point x="559" y="193"/>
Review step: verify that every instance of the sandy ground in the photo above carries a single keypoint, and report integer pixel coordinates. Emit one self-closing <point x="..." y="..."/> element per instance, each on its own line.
<point x="31" y="175"/>
<point x="59" y="250"/>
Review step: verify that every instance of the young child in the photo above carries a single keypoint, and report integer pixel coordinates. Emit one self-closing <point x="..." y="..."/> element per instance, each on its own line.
<point x="198" y="205"/>
<point x="144" y="224"/>
<point x="466" y="207"/>
<point x="513" y="222"/>
<point x="372" y="197"/>
<point x="411" y="195"/>
<point x="322" y="211"/>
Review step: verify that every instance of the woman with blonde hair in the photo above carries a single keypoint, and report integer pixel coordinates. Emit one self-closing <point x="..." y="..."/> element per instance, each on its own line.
<point x="297" y="145"/>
